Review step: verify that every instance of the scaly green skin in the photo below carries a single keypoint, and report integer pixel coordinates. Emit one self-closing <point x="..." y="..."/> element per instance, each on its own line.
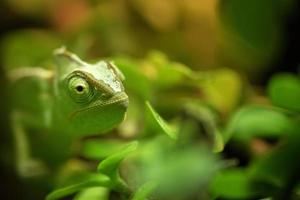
<point x="51" y="109"/>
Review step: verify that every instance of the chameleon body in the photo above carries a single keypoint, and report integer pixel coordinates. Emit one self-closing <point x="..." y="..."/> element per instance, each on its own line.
<point x="53" y="108"/>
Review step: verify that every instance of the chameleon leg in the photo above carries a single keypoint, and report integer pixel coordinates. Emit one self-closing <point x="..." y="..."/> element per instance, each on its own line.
<point x="26" y="166"/>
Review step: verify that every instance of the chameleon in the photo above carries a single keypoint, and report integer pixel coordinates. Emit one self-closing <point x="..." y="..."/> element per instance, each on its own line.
<point x="52" y="108"/>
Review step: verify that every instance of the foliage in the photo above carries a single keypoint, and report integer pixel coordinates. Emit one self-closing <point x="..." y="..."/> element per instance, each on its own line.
<point x="198" y="125"/>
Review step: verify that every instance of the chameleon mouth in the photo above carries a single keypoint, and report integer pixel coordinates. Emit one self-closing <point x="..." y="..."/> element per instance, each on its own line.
<point x="120" y="98"/>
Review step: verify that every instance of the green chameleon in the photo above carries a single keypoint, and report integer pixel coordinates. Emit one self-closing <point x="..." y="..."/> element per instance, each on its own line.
<point x="53" y="108"/>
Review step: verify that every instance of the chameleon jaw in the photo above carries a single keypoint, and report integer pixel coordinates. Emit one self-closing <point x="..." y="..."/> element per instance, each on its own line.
<point x="120" y="99"/>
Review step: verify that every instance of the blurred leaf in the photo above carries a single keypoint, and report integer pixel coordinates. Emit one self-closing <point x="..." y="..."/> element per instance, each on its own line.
<point x="179" y="172"/>
<point x="29" y="48"/>
<point x="95" y="193"/>
<point x="255" y="31"/>
<point x="135" y="80"/>
<point x="144" y="191"/>
<point x="284" y="91"/>
<point x="95" y="181"/>
<point x="167" y="74"/>
<point x="233" y="184"/>
<point x="164" y="20"/>
<point x="223" y="89"/>
<point x="158" y="123"/>
<point x="99" y="148"/>
<point x="255" y="20"/>
<point x="73" y="171"/>
<point x="257" y="28"/>
<point x="208" y="119"/>
<point x="109" y="166"/>
<point x="218" y="142"/>
<point x="257" y="121"/>
<point x="280" y="167"/>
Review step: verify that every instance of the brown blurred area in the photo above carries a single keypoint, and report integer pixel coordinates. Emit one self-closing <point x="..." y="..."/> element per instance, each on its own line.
<point x="203" y="34"/>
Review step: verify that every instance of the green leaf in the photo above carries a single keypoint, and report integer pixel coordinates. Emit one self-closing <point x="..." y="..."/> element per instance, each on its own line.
<point x="110" y="165"/>
<point x="99" y="148"/>
<point x="16" y="48"/>
<point x="178" y="172"/>
<point x="95" y="193"/>
<point x="94" y="181"/>
<point x="232" y="184"/>
<point x="257" y="121"/>
<point x="159" y="123"/>
<point x="284" y="91"/>
<point x="280" y="167"/>
<point x="134" y="75"/>
<point x="218" y="142"/>
<point x="109" y="176"/>
<point x="144" y="191"/>
<point x="222" y="89"/>
<point x="208" y="118"/>
<point x="162" y="68"/>
<point x="260" y="25"/>
<point x="255" y="29"/>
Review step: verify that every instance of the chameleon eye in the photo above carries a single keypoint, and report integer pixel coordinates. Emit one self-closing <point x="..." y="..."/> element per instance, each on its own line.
<point x="80" y="90"/>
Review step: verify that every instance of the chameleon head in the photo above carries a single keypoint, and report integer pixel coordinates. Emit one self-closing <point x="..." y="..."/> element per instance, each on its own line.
<point x="91" y="97"/>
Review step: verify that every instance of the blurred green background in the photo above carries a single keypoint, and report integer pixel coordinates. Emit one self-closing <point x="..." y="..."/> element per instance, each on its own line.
<point x="230" y="65"/>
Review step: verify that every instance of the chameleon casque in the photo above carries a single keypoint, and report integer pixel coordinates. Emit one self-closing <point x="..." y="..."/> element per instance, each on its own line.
<point x="52" y="108"/>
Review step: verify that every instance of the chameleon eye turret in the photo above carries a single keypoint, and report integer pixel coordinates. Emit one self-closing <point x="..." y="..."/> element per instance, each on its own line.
<point x="80" y="90"/>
